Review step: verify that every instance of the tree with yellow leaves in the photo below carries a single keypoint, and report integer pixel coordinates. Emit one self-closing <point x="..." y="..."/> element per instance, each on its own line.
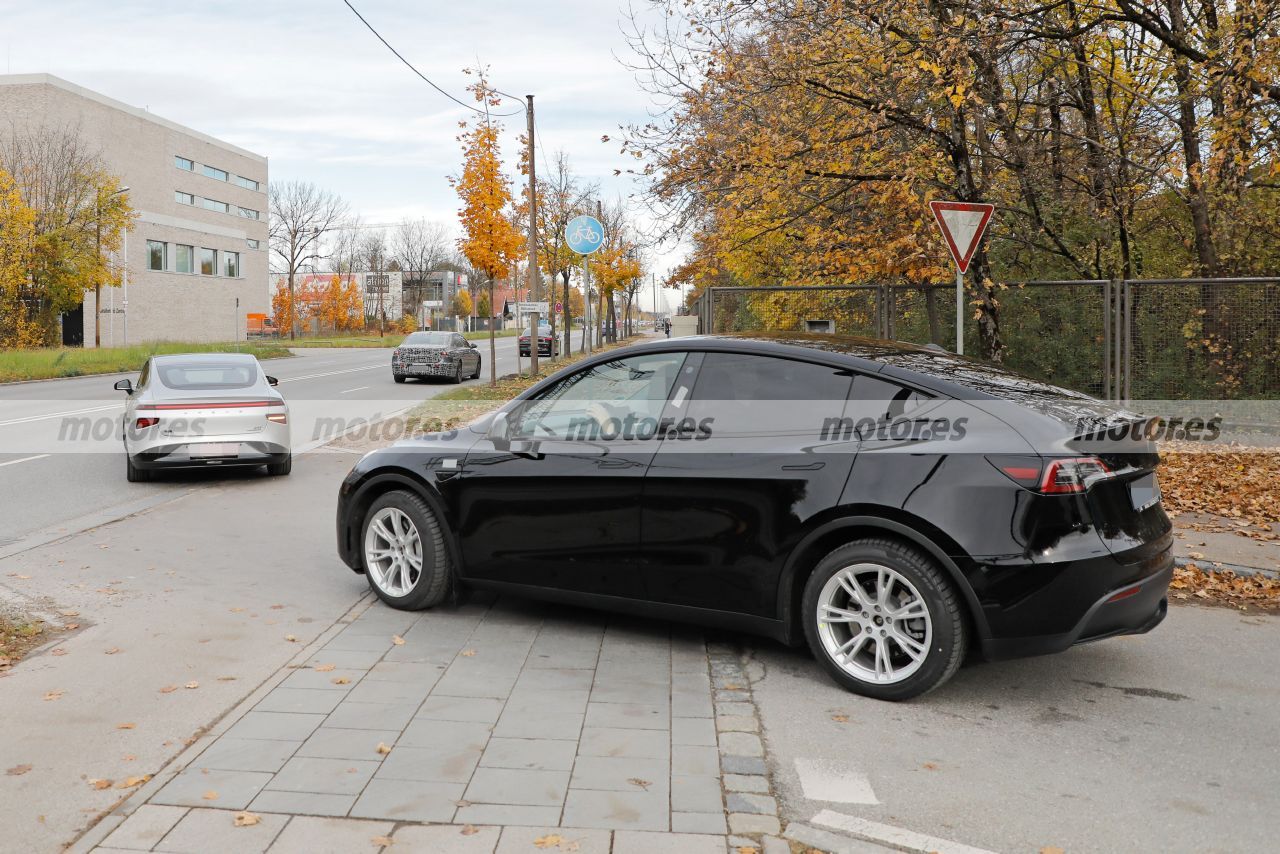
<point x="17" y="234"/>
<point x="490" y="240"/>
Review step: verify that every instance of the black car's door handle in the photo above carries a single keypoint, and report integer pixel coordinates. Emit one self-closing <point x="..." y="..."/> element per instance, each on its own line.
<point x="804" y="467"/>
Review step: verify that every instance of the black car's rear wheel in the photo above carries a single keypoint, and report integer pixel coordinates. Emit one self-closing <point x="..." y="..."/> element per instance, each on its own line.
<point x="884" y="619"/>
<point x="398" y="377"/>
<point x="405" y="558"/>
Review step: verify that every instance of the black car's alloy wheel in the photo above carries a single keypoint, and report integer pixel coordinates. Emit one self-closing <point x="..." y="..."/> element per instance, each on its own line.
<point x="405" y="558"/>
<point x="884" y="620"/>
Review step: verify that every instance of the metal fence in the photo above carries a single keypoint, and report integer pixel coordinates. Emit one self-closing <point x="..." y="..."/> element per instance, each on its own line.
<point x="1121" y="339"/>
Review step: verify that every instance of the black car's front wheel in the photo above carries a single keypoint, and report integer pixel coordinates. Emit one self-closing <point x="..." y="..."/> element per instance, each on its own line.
<point x="884" y="620"/>
<point x="405" y="558"/>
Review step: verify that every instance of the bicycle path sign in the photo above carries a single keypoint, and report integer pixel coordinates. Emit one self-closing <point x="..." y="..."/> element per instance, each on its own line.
<point x="584" y="234"/>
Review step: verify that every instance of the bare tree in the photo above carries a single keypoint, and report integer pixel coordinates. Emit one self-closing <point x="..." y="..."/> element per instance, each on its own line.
<point x="301" y="214"/>
<point x="561" y="197"/>
<point x="373" y="251"/>
<point x="419" y="246"/>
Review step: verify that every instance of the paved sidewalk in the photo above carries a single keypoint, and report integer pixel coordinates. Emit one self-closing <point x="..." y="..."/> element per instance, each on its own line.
<point x="495" y="725"/>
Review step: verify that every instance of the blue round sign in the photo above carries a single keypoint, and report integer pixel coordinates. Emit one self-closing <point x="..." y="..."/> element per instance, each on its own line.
<point x="584" y="234"/>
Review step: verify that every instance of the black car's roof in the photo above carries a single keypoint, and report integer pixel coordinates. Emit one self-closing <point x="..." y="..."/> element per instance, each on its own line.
<point x="928" y="367"/>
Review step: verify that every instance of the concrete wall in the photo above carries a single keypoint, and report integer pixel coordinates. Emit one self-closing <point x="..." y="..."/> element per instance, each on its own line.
<point x="140" y="148"/>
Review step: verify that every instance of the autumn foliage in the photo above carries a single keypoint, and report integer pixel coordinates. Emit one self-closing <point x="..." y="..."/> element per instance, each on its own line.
<point x="1117" y="139"/>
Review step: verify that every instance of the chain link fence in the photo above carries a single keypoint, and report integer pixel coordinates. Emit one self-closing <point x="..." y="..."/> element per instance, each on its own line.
<point x="1121" y="339"/>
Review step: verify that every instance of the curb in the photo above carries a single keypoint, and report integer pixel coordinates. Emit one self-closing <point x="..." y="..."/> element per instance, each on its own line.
<point x="1234" y="567"/>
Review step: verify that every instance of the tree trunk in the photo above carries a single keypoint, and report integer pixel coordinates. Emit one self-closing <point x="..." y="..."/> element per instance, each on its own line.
<point x="493" y="343"/>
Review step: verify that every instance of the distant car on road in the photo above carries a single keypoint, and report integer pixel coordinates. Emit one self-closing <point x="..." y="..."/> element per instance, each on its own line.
<point x="895" y="507"/>
<point x="204" y="410"/>
<point x="435" y="354"/>
<point x="547" y="343"/>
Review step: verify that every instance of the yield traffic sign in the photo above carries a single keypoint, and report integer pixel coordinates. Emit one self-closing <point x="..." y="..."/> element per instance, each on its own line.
<point x="962" y="224"/>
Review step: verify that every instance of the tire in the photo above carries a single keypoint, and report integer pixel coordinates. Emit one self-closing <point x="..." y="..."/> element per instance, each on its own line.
<point x="457" y="374"/>
<point x="398" y="377"/>
<point x="941" y="633"/>
<point x="479" y="364"/>
<point x="281" y="469"/>
<point x="132" y="473"/>
<point x="431" y="585"/>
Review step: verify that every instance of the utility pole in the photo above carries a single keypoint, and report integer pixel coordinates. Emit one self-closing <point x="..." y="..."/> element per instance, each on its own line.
<point x="533" y="250"/>
<point x="97" y="280"/>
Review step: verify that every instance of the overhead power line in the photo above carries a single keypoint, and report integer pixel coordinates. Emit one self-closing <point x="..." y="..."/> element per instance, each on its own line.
<point x="410" y="66"/>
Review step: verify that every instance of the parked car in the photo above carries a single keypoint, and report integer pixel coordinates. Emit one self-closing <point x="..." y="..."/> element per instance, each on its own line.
<point x="435" y="354"/>
<point x="203" y="410"/>
<point x="547" y="342"/>
<point x="812" y="488"/>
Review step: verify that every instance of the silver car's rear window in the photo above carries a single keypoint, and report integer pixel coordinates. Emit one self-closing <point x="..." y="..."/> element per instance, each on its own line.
<point x="208" y="376"/>
<point x="429" y="339"/>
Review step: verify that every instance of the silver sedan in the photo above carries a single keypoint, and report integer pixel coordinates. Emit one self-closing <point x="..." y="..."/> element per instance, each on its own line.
<point x="202" y="410"/>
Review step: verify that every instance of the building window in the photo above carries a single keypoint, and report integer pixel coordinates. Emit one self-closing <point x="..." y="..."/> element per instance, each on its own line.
<point x="216" y="174"/>
<point x="231" y="265"/>
<point x="184" y="259"/>
<point x="184" y="164"/>
<point x="183" y="198"/>
<point x="248" y="213"/>
<point x="212" y="205"/>
<point x="157" y="255"/>
<point x="208" y="262"/>
<point x="247" y="183"/>
<point x="253" y="244"/>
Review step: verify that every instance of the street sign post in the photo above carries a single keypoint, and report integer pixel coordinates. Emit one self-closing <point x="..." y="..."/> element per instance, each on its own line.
<point x="962" y="225"/>
<point x="585" y="235"/>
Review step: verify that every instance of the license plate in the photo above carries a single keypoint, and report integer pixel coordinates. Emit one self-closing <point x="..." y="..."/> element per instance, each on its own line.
<point x="1144" y="492"/>
<point x="215" y="449"/>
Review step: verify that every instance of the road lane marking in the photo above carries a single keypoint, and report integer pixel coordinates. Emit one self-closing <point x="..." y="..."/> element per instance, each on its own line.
<point x="24" y="460"/>
<point x="834" y="782"/>
<point x="357" y="388"/>
<point x="894" y="837"/>
<point x="31" y="418"/>
<point x="331" y="373"/>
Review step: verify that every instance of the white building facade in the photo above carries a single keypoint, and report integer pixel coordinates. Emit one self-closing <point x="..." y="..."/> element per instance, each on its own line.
<point x="195" y="262"/>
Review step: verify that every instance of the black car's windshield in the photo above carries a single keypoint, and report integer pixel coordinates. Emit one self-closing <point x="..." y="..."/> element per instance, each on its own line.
<point x="207" y="376"/>
<point x="429" y="339"/>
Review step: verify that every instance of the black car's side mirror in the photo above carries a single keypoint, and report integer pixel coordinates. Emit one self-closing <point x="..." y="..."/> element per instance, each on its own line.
<point x="500" y="431"/>
<point x="471" y="344"/>
<point x="272" y="381"/>
<point x="125" y="386"/>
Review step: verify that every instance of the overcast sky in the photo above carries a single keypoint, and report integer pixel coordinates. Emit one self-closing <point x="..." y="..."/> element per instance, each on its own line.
<point x="304" y="83"/>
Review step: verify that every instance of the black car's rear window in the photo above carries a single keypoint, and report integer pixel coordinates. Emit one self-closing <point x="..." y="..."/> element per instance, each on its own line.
<point x="207" y="376"/>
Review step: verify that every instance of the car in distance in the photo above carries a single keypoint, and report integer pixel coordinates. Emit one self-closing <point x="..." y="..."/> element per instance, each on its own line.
<point x="548" y="344"/>
<point x="204" y="410"/>
<point x="435" y="354"/>
<point x="812" y="488"/>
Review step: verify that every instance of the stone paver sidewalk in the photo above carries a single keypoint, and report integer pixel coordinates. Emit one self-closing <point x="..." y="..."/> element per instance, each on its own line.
<point x="484" y="727"/>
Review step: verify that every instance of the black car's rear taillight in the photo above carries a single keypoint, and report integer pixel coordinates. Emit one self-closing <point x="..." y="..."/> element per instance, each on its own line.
<point x="1051" y="476"/>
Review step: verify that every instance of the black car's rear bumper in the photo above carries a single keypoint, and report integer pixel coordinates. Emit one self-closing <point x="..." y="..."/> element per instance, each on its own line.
<point x="1128" y="609"/>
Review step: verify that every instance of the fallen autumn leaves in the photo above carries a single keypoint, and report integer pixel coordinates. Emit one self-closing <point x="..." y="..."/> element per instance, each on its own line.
<point x="1223" y="586"/>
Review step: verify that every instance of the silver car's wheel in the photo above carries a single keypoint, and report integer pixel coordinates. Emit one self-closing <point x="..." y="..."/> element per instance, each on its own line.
<point x="393" y="552"/>
<point x="874" y="623"/>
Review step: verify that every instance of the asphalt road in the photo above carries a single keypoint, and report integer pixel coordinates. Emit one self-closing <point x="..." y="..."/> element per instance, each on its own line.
<point x="1160" y="742"/>
<point x="52" y="487"/>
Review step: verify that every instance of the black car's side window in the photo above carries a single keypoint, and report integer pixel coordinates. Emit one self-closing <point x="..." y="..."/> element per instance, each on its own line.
<point x="603" y="400"/>
<point x="874" y="402"/>
<point x="752" y="395"/>
<point x="459" y="341"/>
